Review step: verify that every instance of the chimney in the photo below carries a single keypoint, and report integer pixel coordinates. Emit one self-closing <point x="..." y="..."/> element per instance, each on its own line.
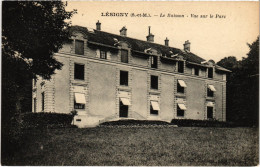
<point x="98" y="26"/>
<point x="187" y="45"/>
<point x="150" y="36"/>
<point x="123" y="31"/>
<point x="166" y="42"/>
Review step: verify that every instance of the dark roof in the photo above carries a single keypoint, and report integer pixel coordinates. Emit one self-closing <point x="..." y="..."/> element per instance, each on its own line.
<point x="106" y="38"/>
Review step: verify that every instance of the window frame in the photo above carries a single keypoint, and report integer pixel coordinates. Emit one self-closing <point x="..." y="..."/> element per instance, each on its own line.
<point x="43" y="100"/>
<point x="180" y="89"/>
<point x="196" y="71"/>
<point x="154" y="83"/>
<point x="180" y="64"/>
<point x="154" y="62"/>
<point x="123" y="80"/>
<point x="81" y="51"/>
<point x="210" y="93"/>
<point x="180" y="110"/>
<point x="210" y="72"/>
<point x="78" y="76"/>
<point x="104" y="55"/>
<point x="211" y="113"/>
<point x="152" y="111"/>
<point x="123" y="108"/>
<point x="124" y="60"/>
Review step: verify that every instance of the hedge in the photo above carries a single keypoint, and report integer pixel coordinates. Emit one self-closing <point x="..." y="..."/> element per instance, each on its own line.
<point x="201" y="123"/>
<point x="135" y="122"/>
<point x="45" y="120"/>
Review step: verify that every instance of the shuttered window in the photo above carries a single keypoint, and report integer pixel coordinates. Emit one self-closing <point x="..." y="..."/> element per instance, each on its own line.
<point x="79" y="47"/>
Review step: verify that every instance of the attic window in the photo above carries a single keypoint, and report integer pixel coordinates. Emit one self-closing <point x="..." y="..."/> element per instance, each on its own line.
<point x="124" y="56"/>
<point x="210" y="72"/>
<point x="196" y="71"/>
<point x="79" y="47"/>
<point x="180" y="66"/>
<point x="103" y="54"/>
<point x="154" y="62"/>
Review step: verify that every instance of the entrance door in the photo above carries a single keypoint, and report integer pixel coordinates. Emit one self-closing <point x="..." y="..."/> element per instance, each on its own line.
<point x="123" y="110"/>
<point x="209" y="112"/>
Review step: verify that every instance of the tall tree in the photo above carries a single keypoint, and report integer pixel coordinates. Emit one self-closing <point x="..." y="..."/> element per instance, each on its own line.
<point x="31" y="32"/>
<point x="243" y="87"/>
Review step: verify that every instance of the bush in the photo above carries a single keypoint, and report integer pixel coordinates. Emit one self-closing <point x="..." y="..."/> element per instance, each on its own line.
<point x="135" y="122"/>
<point x="200" y="123"/>
<point x="46" y="120"/>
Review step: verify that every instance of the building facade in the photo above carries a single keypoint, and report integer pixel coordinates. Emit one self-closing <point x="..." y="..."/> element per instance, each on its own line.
<point x="109" y="77"/>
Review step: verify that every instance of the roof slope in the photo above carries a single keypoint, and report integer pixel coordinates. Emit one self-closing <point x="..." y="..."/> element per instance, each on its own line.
<point x="106" y="38"/>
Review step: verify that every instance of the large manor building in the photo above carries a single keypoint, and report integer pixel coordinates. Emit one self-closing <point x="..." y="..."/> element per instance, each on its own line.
<point x="110" y="77"/>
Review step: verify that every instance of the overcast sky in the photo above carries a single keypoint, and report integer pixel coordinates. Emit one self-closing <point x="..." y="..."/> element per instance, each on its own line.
<point x="211" y="38"/>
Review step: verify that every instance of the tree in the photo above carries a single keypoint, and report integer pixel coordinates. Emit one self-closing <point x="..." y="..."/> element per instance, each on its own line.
<point x="32" y="31"/>
<point x="243" y="87"/>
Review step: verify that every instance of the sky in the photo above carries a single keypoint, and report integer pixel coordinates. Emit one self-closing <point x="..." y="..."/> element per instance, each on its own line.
<point x="211" y="38"/>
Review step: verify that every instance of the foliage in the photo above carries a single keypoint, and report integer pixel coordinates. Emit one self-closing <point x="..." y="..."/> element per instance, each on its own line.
<point x="243" y="87"/>
<point x="200" y="123"/>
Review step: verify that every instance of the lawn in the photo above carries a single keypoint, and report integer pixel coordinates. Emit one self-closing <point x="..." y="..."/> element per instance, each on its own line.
<point x="139" y="146"/>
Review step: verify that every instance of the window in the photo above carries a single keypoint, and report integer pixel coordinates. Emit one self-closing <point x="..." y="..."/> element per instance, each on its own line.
<point x="180" y="110"/>
<point x="123" y="108"/>
<point x="79" y="47"/>
<point x="209" y="112"/>
<point x="103" y="54"/>
<point x="124" y="56"/>
<point x="124" y="78"/>
<point x="154" y="108"/>
<point x="210" y="90"/>
<point x="210" y="72"/>
<point x="79" y="101"/>
<point x="180" y="86"/>
<point x="34" y="104"/>
<point x="154" y="61"/>
<point x="154" y="82"/>
<point x="180" y="66"/>
<point x="79" y="71"/>
<point x="42" y="101"/>
<point x="196" y="71"/>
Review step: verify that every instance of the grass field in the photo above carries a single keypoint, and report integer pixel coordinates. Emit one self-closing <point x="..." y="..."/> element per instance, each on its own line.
<point x="139" y="146"/>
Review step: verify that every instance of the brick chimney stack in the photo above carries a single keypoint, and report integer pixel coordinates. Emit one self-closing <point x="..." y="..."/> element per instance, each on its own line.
<point x="123" y="31"/>
<point x="150" y="37"/>
<point x="166" y="42"/>
<point x="187" y="45"/>
<point x="98" y="26"/>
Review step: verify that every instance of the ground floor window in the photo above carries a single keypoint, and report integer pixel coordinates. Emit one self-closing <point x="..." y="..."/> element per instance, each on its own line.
<point x="123" y="109"/>
<point x="34" y="104"/>
<point x="181" y="110"/>
<point x="79" y="101"/>
<point x="210" y="112"/>
<point x="42" y="101"/>
<point x="154" y="108"/>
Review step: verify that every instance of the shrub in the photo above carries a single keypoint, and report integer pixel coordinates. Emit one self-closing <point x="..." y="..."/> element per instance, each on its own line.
<point x="200" y="123"/>
<point x="46" y="120"/>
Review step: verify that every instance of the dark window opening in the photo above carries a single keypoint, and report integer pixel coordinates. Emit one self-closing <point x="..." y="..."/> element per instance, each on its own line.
<point x="210" y="72"/>
<point x="196" y="71"/>
<point x="210" y="112"/>
<point x="154" y="61"/>
<point x="123" y="110"/>
<point x="103" y="54"/>
<point x="34" y="104"/>
<point x="79" y="71"/>
<point x="154" y="82"/>
<point x="180" y="66"/>
<point x="210" y="93"/>
<point x="180" y="89"/>
<point x="79" y="47"/>
<point x="124" y="78"/>
<point x="78" y="105"/>
<point x="180" y="112"/>
<point x="152" y="111"/>
<point x="124" y="56"/>
<point x="42" y="101"/>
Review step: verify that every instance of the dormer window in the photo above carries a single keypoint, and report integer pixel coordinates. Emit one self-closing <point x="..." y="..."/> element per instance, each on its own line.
<point x="124" y="56"/>
<point x="180" y="66"/>
<point x="210" y="72"/>
<point x="154" y="62"/>
<point x="103" y="54"/>
<point x="79" y="47"/>
<point x="197" y="71"/>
